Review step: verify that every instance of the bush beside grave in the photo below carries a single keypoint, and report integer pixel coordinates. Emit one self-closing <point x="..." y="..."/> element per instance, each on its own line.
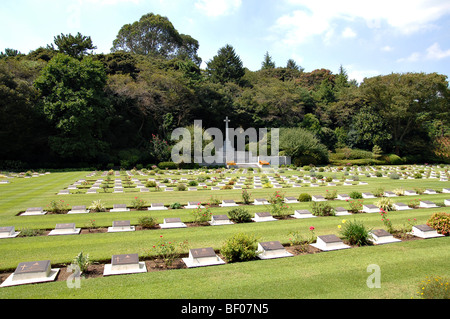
<point x="240" y="247"/>
<point x="440" y="222"/>
<point x="356" y="233"/>
<point x="240" y="215"/>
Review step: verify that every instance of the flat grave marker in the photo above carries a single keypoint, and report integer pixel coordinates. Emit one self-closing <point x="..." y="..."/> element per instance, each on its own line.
<point x="329" y="242"/>
<point x="425" y="231"/>
<point x="263" y="217"/>
<point x="65" y="229"/>
<point x="174" y="222"/>
<point x="8" y="232"/>
<point x="202" y="257"/>
<point x="30" y="273"/>
<point x="380" y="236"/>
<point x="271" y="250"/>
<point x="124" y="264"/>
<point x="121" y="226"/>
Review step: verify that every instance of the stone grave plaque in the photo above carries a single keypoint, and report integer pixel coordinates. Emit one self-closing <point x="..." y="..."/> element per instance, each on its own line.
<point x="121" y="223"/>
<point x="8" y="232"/>
<point x="370" y="208"/>
<point x="425" y="231"/>
<point x="381" y="233"/>
<point x="303" y="213"/>
<point x="203" y="252"/>
<point x="330" y="239"/>
<point x="125" y="259"/>
<point x="220" y="220"/>
<point x="172" y="220"/>
<point x="32" y="270"/>
<point x="34" y="211"/>
<point x="65" y="229"/>
<point x="272" y="245"/>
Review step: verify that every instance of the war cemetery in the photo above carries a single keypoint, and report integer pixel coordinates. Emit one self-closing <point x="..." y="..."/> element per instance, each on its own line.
<point x="145" y="173"/>
<point x="188" y="243"/>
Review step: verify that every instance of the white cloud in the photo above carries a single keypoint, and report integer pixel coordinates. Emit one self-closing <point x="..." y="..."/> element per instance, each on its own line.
<point x="387" y="48"/>
<point x="312" y="18"/>
<point x="215" y="8"/>
<point x="359" y="75"/>
<point x="348" y="33"/>
<point x="413" y="57"/>
<point x="435" y="52"/>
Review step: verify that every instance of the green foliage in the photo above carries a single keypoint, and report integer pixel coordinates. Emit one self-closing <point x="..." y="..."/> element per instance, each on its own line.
<point x="201" y="215"/>
<point x="246" y="197"/>
<point x="226" y="66"/>
<point x="82" y="261"/>
<point x="155" y="35"/>
<point x="356" y="233"/>
<point x="168" y="251"/>
<point x="240" y="215"/>
<point x="355" y="195"/>
<point x="72" y="95"/>
<point x="138" y="203"/>
<point x="322" y="209"/>
<point x="298" y="143"/>
<point x="440" y="222"/>
<point x="97" y="206"/>
<point x="277" y="207"/>
<point x="240" y="247"/>
<point x="434" y="287"/>
<point x="167" y="165"/>
<point x="74" y="46"/>
<point x="304" y="197"/>
<point x="147" y="222"/>
<point x="58" y="207"/>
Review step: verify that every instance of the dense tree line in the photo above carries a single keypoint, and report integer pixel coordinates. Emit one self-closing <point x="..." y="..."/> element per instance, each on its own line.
<point x="61" y="105"/>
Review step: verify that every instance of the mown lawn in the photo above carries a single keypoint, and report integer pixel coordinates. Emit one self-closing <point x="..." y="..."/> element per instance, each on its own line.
<point x="339" y="274"/>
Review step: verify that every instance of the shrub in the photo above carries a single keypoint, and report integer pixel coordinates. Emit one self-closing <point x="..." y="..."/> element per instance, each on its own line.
<point x="201" y="215"/>
<point x="138" y="203"/>
<point x="58" y="207"/>
<point x="176" y="206"/>
<point x="181" y="187"/>
<point x="278" y="207"/>
<point x="356" y="233"/>
<point x="168" y="251"/>
<point x="82" y="261"/>
<point x="150" y="184"/>
<point x="435" y="287"/>
<point x="387" y="222"/>
<point x="193" y="183"/>
<point x="246" y="197"/>
<point x="297" y="239"/>
<point x="304" y="197"/>
<point x="167" y="165"/>
<point x="356" y="205"/>
<point x="394" y="176"/>
<point x="147" y="222"/>
<point x="355" y="195"/>
<point x="399" y="191"/>
<point x="440" y="222"/>
<point x="385" y="204"/>
<point x="240" y="215"/>
<point x="240" y="247"/>
<point x="331" y="195"/>
<point x="97" y="206"/>
<point x="322" y="209"/>
<point x="379" y="192"/>
<point x="27" y="232"/>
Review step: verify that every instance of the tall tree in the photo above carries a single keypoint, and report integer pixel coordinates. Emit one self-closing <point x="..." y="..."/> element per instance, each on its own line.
<point x="226" y="66"/>
<point x="73" y="101"/>
<point x="75" y="46"/>
<point x="155" y="35"/>
<point x="267" y="62"/>
<point x="406" y="102"/>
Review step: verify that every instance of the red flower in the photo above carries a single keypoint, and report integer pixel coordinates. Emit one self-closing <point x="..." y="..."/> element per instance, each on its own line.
<point x="311" y="228"/>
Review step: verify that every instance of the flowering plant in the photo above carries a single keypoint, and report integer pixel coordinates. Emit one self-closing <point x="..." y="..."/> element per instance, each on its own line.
<point x="277" y="205"/>
<point x="296" y="239"/>
<point x="168" y="251"/>
<point x="202" y="215"/>
<point x="138" y="203"/>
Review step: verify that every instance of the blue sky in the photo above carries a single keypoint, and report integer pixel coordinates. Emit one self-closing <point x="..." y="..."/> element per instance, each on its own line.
<point x="367" y="37"/>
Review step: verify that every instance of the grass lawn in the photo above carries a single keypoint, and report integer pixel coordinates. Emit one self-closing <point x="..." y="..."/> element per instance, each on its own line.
<point x="337" y="274"/>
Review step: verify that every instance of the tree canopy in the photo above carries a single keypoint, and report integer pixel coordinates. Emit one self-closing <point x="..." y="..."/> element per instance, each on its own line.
<point x="68" y="106"/>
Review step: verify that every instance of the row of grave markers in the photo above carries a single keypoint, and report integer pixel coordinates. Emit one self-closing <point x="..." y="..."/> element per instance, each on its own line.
<point x="32" y="211"/>
<point x="41" y="271"/>
<point x="70" y="229"/>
